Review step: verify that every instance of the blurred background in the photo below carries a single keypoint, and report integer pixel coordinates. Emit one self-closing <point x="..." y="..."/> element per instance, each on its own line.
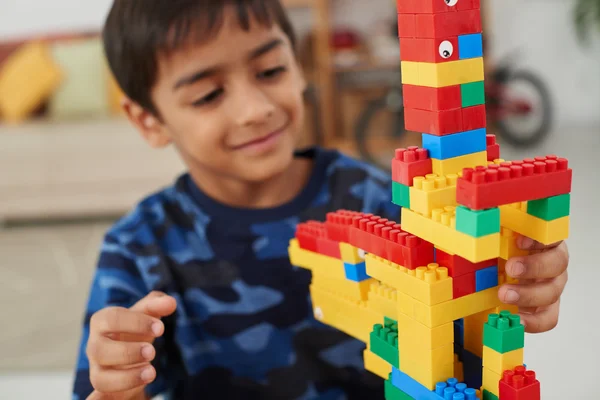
<point x="70" y="164"/>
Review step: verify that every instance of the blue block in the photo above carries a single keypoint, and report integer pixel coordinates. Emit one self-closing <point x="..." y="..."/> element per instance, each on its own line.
<point x="442" y="391"/>
<point x="459" y="332"/>
<point x="470" y="46"/>
<point x="455" y="145"/>
<point x="486" y="278"/>
<point x="356" y="272"/>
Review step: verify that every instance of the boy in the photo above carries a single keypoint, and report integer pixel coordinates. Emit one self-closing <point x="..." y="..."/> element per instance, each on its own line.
<point x="194" y="296"/>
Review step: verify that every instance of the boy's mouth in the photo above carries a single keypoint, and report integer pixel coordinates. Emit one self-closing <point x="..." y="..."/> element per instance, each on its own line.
<point x="262" y="143"/>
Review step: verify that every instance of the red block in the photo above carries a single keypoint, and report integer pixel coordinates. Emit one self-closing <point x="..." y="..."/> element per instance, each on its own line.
<point x="448" y="24"/>
<point x="435" y="6"/>
<point x="307" y="234"/>
<point x="519" y="384"/>
<point x="429" y="50"/>
<point x="409" y="163"/>
<point x="513" y="182"/>
<point x="493" y="148"/>
<point x="386" y="239"/>
<point x="432" y="99"/>
<point x="474" y="118"/>
<point x="463" y="285"/>
<point x="458" y="266"/>
<point x="407" y="25"/>
<point x="338" y="224"/>
<point x="437" y="123"/>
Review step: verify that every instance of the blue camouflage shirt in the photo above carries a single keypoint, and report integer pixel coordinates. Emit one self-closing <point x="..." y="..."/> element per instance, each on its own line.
<point x="244" y="327"/>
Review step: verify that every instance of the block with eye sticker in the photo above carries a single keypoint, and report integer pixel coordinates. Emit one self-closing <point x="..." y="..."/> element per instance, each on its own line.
<point x="429" y="50"/>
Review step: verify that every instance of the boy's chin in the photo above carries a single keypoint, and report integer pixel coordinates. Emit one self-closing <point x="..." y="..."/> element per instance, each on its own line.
<point x="268" y="167"/>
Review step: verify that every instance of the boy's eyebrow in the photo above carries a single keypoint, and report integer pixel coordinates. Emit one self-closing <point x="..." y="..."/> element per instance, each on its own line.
<point x="199" y="75"/>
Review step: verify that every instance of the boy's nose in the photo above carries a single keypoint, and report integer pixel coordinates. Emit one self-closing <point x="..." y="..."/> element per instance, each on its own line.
<point x="253" y="107"/>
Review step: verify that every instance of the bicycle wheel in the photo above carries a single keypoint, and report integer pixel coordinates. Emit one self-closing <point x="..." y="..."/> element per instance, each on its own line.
<point x="379" y="128"/>
<point x="526" y="109"/>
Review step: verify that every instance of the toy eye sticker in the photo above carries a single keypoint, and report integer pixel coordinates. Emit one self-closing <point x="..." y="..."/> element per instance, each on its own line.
<point x="451" y="3"/>
<point x="446" y="49"/>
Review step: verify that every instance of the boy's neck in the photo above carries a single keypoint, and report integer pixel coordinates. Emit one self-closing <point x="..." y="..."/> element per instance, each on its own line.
<point x="277" y="191"/>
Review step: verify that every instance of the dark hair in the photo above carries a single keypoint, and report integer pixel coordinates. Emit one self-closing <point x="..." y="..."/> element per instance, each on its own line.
<point x="136" y="32"/>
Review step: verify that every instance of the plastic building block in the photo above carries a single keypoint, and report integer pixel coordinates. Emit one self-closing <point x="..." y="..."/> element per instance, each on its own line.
<point x="477" y="223"/>
<point x="487" y="395"/>
<point x="437" y="75"/>
<point x="474" y="117"/>
<point x="470" y="46"/>
<point x="519" y="384"/>
<point x="472" y="94"/>
<point x="388" y="240"/>
<point x="400" y="194"/>
<point x="473" y="326"/>
<point x="463" y="285"/>
<point x="445" y="122"/>
<point x="422" y="337"/>
<point x="440" y="231"/>
<point x="448" y="24"/>
<point x="384" y="343"/>
<point x="429" y="50"/>
<point x="457" y="164"/>
<point x="442" y="390"/>
<point x="393" y="393"/>
<point x="458" y="266"/>
<point x="432" y="192"/>
<point x="486" y="278"/>
<point x="28" y="77"/>
<point x="376" y="364"/>
<point x="350" y="254"/>
<point x="315" y="262"/>
<point x="550" y="208"/>
<point x="407" y="25"/>
<point x="500" y="362"/>
<point x="491" y="381"/>
<point x="508" y="246"/>
<point x="355" y="291"/>
<point x="512" y="182"/>
<point x="434" y="99"/>
<point x="356" y="272"/>
<point x="409" y="163"/>
<point x="504" y="332"/>
<point x="434" y="6"/>
<point x="516" y="218"/>
<point x="458" y="144"/>
<point x="493" y="148"/>
<point x="430" y="285"/>
<point x="313" y="236"/>
<point x="383" y="299"/>
<point x="338" y="225"/>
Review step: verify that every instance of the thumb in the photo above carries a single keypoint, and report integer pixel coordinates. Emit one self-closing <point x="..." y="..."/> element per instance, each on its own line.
<point x="156" y="304"/>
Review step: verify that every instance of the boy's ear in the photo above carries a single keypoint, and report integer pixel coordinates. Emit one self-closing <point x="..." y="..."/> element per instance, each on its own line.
<point x="149" y="126"/>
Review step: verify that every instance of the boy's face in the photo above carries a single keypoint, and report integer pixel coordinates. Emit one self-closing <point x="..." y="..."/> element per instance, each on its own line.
<point x="233" y="106"/>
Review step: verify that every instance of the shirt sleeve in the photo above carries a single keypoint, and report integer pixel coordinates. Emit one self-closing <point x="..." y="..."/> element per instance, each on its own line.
<point x="116" y="282"/>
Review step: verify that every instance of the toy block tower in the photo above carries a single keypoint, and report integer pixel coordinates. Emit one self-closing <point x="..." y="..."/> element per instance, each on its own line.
<point x="423" y="295"/>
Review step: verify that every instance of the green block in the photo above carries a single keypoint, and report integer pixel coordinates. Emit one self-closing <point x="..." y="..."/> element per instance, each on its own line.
<point x="393" y="393"/>
<point x="550" y="208"/>
<point x="384" y="343"/>
<point x="477" y="223"/>
<point x="489" y="395"/>
<point x="504" y="332"/>
<point x="389" y="322"/>
<point x="473" y="94"/>
<point x="400" y="195"/>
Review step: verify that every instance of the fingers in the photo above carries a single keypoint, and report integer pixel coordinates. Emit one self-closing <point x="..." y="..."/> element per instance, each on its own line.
<point x="111" y="380"/>
<point x="124" y="321"/>
<point x="537" y="294"/>
<point x="156" y="304"/>
<point x="541" y="321"/>
<point x="109" y="353"/>
<point x="543" y="265"/>
<point x="525" y="243"/>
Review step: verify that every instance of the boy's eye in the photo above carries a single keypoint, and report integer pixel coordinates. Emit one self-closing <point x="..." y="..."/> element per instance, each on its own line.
<point x="209" y="98"/>
<point x="271" y="73"/>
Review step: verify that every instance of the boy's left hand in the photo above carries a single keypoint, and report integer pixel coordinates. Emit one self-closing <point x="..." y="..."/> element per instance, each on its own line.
<point x="542" y="278"/>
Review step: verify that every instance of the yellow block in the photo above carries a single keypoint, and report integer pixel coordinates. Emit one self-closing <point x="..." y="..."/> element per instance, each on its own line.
<point x="473" y="331"/>
<point x="315" y="262"/>
<point x="508" y="244"/>
<point x="383" y="300"/>
<point x="442" y="74"/>
<point x="27" y="78"/>
<point x="432" y="192"/>
<point x="440" y="230"/>
<point x="427" y="359"/>
<point x="491" y="381"/>
<point x="457" y="164"/>
<point x="498" y="362"/>
<point x="350" y="254"/>
<point x="424" y="337"/>
<point x="516" y="218"/>
<point x="428" y="377"/>
<point x="354" y="290"/>
<point x="430" y="285"/>
<point x="449" y="311"/>
<point x="376" y="364"/>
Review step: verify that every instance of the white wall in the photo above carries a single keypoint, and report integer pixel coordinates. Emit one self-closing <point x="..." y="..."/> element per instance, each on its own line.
<point x="541" y="28"/>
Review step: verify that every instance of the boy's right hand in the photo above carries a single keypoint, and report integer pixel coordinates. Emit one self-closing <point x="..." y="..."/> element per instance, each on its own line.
<point x="120" y="347"/>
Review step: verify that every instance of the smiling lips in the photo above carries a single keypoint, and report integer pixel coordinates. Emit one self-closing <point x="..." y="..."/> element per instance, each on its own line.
<point x="262" y="144"/>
